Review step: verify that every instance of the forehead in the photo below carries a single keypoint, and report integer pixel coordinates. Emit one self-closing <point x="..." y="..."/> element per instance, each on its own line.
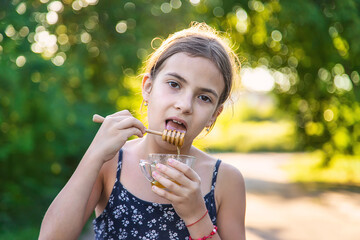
<point x="196" y="70"/>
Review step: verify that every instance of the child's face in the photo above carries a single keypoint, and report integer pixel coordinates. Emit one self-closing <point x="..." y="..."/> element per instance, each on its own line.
<point x="186" y="89"/>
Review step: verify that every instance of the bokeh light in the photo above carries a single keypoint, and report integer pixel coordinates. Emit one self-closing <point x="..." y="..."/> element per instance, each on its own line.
<point x="121" y="27"/>
<point x="328" y="115"/>
<point x="343" y="82"/>
<point x="195" y="2"/>
<point x="176" y="4"/>
<point x="20" y="61"/>
<point x="258" y="79"/>
<point x="21" y="8"/>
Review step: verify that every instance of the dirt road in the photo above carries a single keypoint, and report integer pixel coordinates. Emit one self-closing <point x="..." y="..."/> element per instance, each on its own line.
<point x="280" y="210"/>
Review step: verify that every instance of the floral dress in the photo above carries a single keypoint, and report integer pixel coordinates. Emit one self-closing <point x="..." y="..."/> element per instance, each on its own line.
<point x="129" y="217"/>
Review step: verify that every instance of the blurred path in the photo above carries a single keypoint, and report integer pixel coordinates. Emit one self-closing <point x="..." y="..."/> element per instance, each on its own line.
<point x="280" y="210"/>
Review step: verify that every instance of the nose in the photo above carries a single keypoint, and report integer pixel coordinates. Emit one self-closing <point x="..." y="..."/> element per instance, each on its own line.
<point x="185" y="103"/>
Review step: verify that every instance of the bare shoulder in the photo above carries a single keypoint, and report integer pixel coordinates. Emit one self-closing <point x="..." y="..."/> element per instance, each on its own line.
<point x="230" y="184"/>
<point x="230" y="174"/>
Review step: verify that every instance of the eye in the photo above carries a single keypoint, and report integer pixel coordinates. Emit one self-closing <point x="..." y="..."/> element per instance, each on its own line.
<point x="205" y="98"/>
<point x="173" y="84"/>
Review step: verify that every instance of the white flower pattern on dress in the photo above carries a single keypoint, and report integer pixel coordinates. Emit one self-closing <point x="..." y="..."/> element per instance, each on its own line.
<point x="128" y="217"/>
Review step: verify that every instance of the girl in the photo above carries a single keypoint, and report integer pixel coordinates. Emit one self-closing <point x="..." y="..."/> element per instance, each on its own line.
<point x="187" y="80"/>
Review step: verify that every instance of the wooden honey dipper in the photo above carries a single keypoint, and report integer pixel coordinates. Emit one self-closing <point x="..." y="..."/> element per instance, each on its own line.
<point x="170" y="136"/>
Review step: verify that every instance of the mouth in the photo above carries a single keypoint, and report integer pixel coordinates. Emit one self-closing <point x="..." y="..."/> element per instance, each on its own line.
<point x="175" y="124"/>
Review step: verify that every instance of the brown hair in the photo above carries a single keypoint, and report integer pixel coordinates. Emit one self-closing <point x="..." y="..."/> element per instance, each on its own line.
<point x="199" y="40"/>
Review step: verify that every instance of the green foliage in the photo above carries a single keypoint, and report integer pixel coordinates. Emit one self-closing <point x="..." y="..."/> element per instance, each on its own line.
<point x="61" y="62"/>
<point x="24" y="233"/>
<point x="250" y="137"/>
<point x="245" y="128"/>
<point x="342" y="170"/>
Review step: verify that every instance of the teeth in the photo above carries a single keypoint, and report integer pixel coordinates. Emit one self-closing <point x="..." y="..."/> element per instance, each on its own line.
<point x="177" y="122"/>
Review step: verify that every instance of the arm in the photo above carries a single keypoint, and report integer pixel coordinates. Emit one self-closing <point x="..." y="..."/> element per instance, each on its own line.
<point x="72" y="207"/>
<point x="230" y="192"/>
<point x="190" y="206"/>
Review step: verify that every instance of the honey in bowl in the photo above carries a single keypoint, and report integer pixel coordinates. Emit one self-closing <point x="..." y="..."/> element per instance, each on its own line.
<point x="147" y="166"/>
<point x="156" y="183"/>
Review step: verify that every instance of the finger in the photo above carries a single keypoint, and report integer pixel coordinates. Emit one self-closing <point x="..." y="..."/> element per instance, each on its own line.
<point x="122" y="120"/>
<point x="161" y="192"/>
<point x="173" y="173"/>
<point x="185" y="169"/>
<point x="169" y="183"/>
<point x="131" y="132"/>
<point x="168" y="195"/>
<point x="97" y="118"/>
<point x="128" y="122"/>
<point x="121" y="113"/>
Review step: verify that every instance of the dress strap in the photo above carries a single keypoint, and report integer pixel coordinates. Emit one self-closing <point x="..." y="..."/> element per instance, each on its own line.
<point x="216" y="170"/>
<point x="119" y="165"/>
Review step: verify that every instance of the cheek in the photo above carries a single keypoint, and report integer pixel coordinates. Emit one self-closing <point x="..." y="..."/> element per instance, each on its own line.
<point x="159" y="91"/>
<point x="204" y="115"/>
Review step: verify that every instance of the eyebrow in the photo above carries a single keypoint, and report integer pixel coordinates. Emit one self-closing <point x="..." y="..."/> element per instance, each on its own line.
<point x="208" y="90"/>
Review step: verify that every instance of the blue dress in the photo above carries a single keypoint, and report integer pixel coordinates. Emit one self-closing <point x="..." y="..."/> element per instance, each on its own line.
<point x="129" y="217"/>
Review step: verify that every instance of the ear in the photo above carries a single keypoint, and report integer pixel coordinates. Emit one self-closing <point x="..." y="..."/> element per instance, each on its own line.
<point x="215" y="115"/>
<point x="146" y="86"/>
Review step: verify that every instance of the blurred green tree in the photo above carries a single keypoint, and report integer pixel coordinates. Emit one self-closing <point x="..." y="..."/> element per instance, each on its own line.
<point x="312" y="46"/>
<point x="62" y="61"/>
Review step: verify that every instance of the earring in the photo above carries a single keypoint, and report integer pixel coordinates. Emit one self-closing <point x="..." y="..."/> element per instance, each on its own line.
<point x="146" y="104"/>
<point x="207" y="129"/>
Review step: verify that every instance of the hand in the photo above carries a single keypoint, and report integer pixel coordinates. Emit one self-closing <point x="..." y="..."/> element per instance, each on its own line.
<point x="185" y="193"/>
<point x="114" y="132"/>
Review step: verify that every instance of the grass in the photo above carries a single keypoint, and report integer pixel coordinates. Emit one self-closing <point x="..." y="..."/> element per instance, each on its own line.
<point x="250" y="136"/>
<point x="342" y="169"/>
